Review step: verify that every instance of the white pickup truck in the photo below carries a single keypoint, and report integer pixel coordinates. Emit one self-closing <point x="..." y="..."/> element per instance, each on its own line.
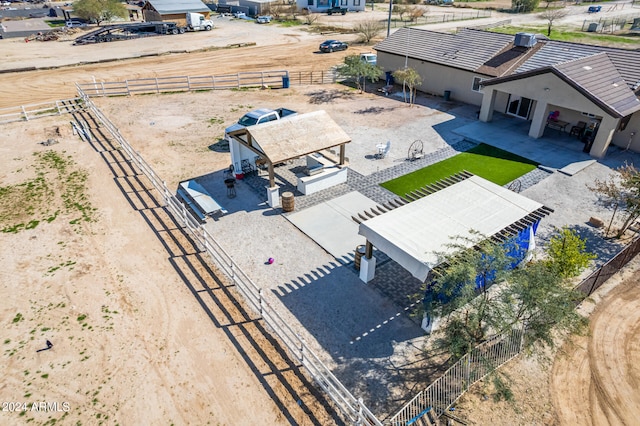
<point x="257" y="116"/>
<point x="243" y="159"/>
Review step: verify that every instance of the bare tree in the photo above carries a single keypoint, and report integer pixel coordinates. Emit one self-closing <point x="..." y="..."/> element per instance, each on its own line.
<point x="309" y="18"/>
<point x="622" y="191"/>
<point x="551" y="15"/>
<point x="416" y="12"/>
<point x="368" y="29"/>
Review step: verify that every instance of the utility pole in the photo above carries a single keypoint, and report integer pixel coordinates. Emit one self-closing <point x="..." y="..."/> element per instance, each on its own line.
<point x="389" y="19"/>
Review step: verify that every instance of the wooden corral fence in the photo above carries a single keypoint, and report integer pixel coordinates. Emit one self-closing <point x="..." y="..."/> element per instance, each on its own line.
<point x="45" y="109"/>
<point x="436" y="399"/>
<point x="271" y="79"/>
<point x="445" y="17"/>
<point x="352" y="408"/>
<point x="302" y="78"/>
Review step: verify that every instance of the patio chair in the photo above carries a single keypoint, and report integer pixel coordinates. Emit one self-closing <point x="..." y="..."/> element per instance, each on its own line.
<point x="383" y="150"/>
<point x="578" y="129"/>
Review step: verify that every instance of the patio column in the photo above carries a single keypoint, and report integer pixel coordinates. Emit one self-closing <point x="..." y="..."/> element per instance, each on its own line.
<point x="607" y="128"/>
<point x="342" y="155"/>
<point x="539" y="120"/>
<point x="368" y="264"/>
<point x="488" y="104"/>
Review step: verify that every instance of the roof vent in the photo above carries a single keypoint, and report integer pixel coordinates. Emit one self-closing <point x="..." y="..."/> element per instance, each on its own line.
<point x="525" y="40"/>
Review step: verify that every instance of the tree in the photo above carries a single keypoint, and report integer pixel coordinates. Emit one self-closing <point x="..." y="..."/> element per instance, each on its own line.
<point x="567" y="253"/>
<point x="410" y="79"/>
<point x="622" y="191"/>
<point x="416" y="12"/>
<point x="368" y="29"/>
<point x="478" y="294"/>
<point x="399" y="10"/>
<point x="359" y="70"/>
<point x="99" y="10"/>
<point x="524" y="6"/>
<point x="309" y="18"/>
<point x="551" y="15"/>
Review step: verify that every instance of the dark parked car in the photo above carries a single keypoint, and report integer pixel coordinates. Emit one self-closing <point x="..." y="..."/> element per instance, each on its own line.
<point x="333" y="45"/>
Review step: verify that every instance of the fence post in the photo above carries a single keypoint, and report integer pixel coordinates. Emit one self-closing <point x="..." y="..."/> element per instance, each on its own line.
<point x="58" y="107"/>
<point x="189" y="83"/>
<point x="359" y="422"/>
<point x="126" y="84"/>
<point x="260" y="301"/>
<point x="157" y="86"/>
<point x="24" y="112"/>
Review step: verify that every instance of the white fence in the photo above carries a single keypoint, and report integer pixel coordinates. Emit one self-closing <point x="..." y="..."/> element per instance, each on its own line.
<point x="272" y="79"/>
<point x="353" y="409"/>
<point x="469" y="369"/>
<point x="45" y="109"/>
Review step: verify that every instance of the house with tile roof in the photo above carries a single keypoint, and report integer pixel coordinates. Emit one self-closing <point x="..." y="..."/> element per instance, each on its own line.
<point x="590" y="91"/>
<point x="173" y="10"/>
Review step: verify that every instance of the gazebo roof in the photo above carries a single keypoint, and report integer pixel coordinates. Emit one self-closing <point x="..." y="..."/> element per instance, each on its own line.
<point x="415" y="233"/>
<point x="293" y="136"/>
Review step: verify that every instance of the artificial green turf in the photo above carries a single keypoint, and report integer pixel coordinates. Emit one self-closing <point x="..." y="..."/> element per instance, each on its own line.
<point x="493" y="164"/>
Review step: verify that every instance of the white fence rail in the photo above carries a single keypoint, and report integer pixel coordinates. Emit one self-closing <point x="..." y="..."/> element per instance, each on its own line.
<point x="44" y="109"/>
<point x="469" y="369"/>
<point x="353" y="409"/>
<point x="272" y="79"/>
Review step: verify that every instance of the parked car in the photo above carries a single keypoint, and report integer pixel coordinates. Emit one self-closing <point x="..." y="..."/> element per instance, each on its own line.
<point x="594" y="9"/>
<point x="333" y="45"/>
<point x="75" y="24"/>
<point x="263" y="19"/>
<point x="337" y="9"/>
<point x="240" y="15"/>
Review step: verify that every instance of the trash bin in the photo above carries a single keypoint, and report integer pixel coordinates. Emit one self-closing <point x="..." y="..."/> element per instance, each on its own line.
<point x="360" y="250"/>
<point x="285" y="82"/>
<point x="389" y="80"/>
<point x="447" y="95"/>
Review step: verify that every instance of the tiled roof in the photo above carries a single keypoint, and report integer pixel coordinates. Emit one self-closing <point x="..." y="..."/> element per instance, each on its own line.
<point x="467" y="50"/>
<point x="598" y="76"/>
<point x="166" y="7"/>
<point x="555" y="52"/>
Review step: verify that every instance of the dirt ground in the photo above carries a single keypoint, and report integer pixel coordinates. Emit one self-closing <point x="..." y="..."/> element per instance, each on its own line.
<point x="131" y="343"/>
<point x="129" y="336"/>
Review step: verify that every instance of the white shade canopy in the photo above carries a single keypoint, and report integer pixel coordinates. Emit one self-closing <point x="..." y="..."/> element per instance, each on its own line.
<point x="415" y="233"/>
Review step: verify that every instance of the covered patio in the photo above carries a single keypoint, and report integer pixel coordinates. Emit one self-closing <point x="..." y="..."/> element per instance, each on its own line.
<point x="310" y="135"/>
<point x="418" y="233"/>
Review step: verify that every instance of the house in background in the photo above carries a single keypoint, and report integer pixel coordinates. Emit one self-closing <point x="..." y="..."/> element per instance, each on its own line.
<point x="528" y="77"/>
<point x="323" y="5"/>
<point x="173" y="10"/>
<point x="251" y="7"/>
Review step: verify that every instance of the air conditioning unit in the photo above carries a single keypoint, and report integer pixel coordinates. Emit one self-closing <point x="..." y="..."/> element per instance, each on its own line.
<point x="525" y="40"/>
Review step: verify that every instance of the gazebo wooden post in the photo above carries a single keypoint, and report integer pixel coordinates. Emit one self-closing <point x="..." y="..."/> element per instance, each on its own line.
<point x="342" y="150"/>
<point x="368" y="250"/>
<point x="272" y="176"/>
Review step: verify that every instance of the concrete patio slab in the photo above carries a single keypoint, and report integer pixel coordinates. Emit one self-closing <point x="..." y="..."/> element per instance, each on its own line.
<point x="329" y="224"/>
<point x="576" y="167"/>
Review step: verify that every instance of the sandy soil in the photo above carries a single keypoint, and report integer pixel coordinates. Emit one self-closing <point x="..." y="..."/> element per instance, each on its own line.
<point x="115" y="296"/>
<point x="595" y="380"/>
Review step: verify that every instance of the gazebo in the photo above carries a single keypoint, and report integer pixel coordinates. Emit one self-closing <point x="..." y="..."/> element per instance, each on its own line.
<point x="292" y="137"/>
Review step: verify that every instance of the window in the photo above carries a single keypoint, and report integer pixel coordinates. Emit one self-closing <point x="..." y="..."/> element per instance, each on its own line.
<point x="356" y="2"/>
<point x="476" y="87"/>
<point x="343" y="2"/>
<point x="309" y="2"/>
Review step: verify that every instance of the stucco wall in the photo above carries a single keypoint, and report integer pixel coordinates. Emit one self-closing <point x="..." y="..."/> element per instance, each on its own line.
<point x="622" y="138"/>
<point x="559" y="94"/>
<point x="436" y="78"/>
